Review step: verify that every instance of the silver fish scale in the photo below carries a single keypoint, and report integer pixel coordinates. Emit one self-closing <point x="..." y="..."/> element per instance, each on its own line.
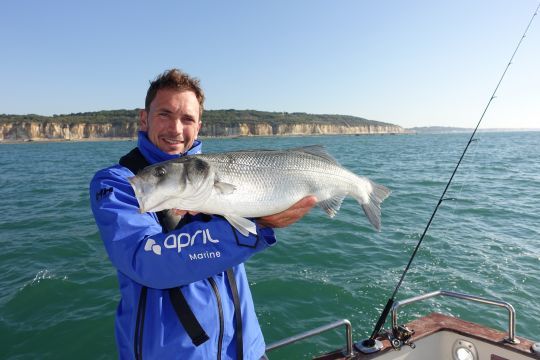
<point x="287" y="160"/>
<point x="247" y="184"/>
<point x="277" y="179"/>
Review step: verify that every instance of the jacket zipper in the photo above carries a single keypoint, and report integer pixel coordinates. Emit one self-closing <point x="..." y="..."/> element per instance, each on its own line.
<point x="220" y="311"/>
<point x="139" y="327"/>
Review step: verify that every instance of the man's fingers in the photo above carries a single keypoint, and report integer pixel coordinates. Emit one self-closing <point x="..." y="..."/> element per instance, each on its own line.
<point x="179" y="212"/>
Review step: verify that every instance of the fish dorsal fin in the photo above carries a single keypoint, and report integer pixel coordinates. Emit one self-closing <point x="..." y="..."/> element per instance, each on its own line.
<point x="243" y="225"/>
<point x="316" y="150"/>
<point x="224" y="188"/>
<point x="331" y="206"/>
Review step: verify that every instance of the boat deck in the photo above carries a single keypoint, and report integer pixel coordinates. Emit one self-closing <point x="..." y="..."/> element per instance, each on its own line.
<point x="435" y="337"/>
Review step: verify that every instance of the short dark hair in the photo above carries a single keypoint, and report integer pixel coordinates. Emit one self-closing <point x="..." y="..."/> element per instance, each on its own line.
<point x="177" y="80"/>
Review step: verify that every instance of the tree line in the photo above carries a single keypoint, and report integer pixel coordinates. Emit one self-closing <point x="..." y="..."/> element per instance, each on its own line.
<point x="218" y="117"/>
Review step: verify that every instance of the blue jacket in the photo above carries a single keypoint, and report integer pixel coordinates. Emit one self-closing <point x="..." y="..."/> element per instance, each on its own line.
<point x="192" y="257"/>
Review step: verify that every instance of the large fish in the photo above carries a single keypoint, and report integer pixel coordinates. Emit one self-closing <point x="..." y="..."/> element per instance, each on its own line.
<point x="254" y="183"/>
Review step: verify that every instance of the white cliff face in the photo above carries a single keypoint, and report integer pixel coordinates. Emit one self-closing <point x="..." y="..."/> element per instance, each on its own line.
<point x="60" y="131"/>
<point x="266" y="129"/>
<point x="323" y="129"/>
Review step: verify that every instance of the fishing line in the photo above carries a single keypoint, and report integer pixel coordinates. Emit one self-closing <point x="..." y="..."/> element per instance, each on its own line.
<point x="382" y="319"/>
<point x="458" y="186"/>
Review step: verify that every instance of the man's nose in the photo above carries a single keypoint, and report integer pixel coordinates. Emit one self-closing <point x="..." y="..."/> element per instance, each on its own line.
<point x="177" y="125"/>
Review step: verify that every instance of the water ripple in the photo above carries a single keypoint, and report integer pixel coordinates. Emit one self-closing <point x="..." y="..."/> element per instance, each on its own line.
<point x="58" y="290"/>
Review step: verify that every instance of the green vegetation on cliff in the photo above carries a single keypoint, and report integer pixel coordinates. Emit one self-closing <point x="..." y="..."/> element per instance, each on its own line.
<point x="210" y="117"/>
<point x="230" y="117"/>
<point x="95" y="117"/>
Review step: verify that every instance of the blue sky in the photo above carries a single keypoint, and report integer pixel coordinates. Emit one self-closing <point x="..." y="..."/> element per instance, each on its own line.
<point x="411" y="63"/>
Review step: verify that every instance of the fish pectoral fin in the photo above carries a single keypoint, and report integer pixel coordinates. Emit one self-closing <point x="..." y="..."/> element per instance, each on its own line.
<point x="243" y="225"/>
<point x="331" y="206"/>
<point x="224" y="188"/>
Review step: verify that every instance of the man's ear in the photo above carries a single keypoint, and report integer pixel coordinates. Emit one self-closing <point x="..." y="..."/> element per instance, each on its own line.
<point x="143" y="120"/>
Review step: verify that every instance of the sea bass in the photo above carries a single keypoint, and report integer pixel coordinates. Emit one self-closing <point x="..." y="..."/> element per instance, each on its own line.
<point x="254" y="183"/>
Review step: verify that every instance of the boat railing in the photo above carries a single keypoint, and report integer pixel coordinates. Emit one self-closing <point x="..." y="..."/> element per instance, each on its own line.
<point x="511" y="312"/>
<point x="317" y="331"/>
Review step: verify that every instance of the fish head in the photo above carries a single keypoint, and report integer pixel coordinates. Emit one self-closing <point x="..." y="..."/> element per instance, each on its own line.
<point x="178" y="183"/>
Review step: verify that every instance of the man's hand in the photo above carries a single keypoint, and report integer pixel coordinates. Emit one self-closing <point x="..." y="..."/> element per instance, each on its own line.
<point x="179" y="212"/>
<point x="289" y="216"/>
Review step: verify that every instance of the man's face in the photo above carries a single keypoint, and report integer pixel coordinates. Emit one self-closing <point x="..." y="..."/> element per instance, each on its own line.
<point x="172" y="122"/>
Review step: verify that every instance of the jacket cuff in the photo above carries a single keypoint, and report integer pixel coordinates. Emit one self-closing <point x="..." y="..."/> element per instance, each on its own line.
<point x="268" y="235"/>
<point x="265" y="237"/>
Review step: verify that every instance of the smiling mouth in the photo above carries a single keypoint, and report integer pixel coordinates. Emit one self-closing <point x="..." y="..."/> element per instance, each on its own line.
<point x="173" y="141"/>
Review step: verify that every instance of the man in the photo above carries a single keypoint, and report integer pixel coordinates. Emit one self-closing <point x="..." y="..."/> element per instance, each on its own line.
<point x="184" y="289"/>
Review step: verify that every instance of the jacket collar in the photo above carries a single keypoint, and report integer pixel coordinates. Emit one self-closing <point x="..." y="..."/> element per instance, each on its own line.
<point x="154" y="155"/>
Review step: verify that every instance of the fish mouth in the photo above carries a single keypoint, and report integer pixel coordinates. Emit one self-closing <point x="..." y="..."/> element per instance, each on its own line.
<point x="143" y="199"/>
<point x="139" y="194"/>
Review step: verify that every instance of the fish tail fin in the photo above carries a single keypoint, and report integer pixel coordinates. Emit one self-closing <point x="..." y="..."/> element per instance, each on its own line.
<point x="372" y="203"/>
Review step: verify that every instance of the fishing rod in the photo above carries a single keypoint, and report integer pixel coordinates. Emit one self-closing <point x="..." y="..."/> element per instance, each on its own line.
<point x="371" y="343"/>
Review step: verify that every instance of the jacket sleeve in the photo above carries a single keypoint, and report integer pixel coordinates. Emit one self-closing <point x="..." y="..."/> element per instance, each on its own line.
<point x="138" y="248"/>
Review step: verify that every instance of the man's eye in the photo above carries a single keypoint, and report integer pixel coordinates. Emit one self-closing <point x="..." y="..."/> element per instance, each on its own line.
<point x="159" y="172"/>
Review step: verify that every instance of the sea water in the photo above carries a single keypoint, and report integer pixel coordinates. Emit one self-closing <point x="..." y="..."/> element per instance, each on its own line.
<point x="58" y="290"/>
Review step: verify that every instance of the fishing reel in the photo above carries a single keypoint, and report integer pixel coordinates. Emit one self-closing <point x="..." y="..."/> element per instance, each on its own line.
<point x="399" y="336"/>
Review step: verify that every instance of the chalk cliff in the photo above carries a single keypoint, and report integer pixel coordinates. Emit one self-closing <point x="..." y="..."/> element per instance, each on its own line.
<point x="57" y="131"/>
<point x="267" y="129"/>
<point x="123" y="124"/>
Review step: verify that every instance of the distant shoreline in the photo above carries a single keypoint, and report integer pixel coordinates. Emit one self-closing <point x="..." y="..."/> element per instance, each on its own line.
<point x="407" y="132"/>
<point x="451" y="130"/>
<point x="30" y="141"/>
<point x="107" y="139"/>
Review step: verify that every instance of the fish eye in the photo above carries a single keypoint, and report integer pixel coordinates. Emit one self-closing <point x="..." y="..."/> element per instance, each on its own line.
<point x="159" y="171"/>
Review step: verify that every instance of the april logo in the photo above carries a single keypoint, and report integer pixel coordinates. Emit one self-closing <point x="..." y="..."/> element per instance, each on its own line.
<point x="180" y="241"/>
